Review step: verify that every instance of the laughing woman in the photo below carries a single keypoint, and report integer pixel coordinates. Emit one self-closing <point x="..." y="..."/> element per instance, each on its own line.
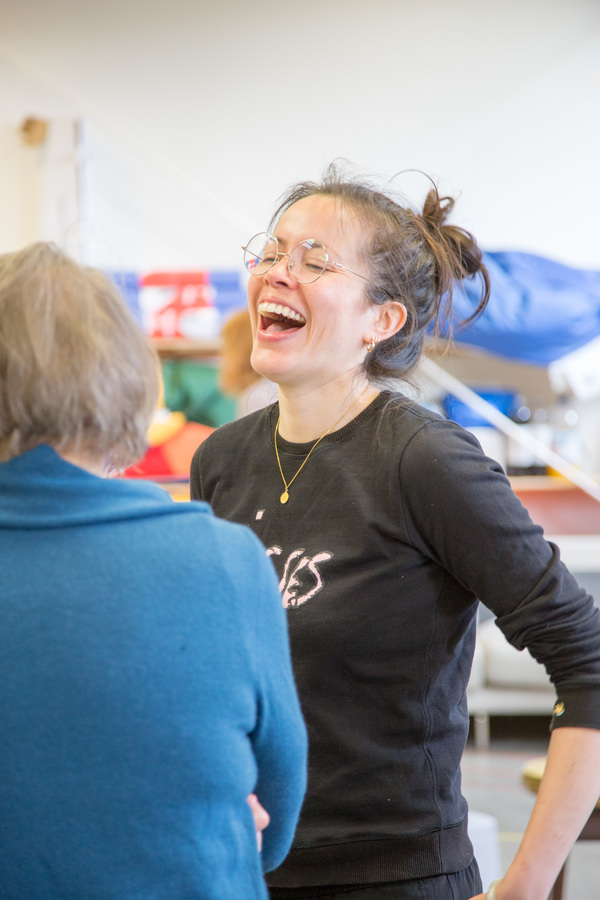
<point x="386" y="523"/>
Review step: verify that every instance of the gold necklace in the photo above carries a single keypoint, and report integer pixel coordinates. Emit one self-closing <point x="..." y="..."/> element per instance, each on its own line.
<point x="287" y="484"/>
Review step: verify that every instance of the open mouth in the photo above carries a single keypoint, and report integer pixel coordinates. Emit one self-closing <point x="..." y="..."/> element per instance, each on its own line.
<point x="275" y="317"/>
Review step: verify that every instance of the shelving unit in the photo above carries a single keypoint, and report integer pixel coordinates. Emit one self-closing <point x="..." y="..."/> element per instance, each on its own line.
<point x="182" y="348"/>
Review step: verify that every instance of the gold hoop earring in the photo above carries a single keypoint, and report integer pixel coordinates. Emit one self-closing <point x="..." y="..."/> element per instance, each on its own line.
<point x="372" y="344"/>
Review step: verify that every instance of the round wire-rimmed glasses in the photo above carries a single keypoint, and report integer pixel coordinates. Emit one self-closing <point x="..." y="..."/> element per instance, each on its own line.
<point x="306" y="262"/>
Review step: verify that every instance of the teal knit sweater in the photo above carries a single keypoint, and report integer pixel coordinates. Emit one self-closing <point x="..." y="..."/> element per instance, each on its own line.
<point x="145" y="691"/>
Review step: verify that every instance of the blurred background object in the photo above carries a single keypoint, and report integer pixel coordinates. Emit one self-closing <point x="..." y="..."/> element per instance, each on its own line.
<point x="237" y="378"/>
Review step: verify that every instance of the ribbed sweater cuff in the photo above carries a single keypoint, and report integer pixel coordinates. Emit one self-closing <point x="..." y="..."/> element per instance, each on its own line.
<point x="577" y="707"/>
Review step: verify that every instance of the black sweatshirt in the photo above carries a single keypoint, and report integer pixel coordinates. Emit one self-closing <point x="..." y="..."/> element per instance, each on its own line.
<point x="393" y="529"/>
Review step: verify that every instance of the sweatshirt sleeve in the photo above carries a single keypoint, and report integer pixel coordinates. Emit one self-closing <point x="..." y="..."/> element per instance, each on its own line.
<point x="195" y="480"/>
<point x="279" y="738"/>
<point x="465" y="515"/>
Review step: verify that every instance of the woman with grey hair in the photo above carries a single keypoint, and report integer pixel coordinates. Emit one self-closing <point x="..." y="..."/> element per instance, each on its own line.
<point x="387" y="524"/>
<point x="146" y="691"/>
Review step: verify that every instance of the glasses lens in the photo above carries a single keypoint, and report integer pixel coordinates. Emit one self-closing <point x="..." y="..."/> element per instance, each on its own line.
<point x="308" y="260"/>
<point x="260" y="253"/>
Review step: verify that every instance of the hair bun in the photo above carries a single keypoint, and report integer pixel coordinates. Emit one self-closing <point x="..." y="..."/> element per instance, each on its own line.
<point x="436" y="210"/>
<point x="456" y="247"/>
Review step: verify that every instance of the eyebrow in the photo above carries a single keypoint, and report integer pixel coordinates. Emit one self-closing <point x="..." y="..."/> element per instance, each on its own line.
<point x="333" y="254"/>
<point x="281" y="241"/>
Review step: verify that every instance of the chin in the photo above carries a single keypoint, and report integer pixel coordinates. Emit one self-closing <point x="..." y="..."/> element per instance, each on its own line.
<point x="262" y="361"/>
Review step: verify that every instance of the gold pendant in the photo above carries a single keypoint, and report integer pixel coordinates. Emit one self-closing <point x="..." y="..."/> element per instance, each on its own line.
<point x="284" y="497"/>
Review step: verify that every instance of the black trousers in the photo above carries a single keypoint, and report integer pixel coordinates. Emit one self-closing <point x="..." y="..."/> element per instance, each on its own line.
<point x="457" y="886"/>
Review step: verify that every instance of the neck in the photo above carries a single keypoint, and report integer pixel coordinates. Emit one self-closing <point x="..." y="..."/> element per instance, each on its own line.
<point x="306" y="415"/>
<point x="94" y="465"/>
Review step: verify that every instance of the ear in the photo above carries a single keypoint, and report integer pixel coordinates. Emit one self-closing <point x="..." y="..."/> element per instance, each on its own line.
<point x="388" y="319"/>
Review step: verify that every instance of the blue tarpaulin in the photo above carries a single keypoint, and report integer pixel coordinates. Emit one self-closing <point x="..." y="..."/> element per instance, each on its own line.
<point x="539" y="309"/>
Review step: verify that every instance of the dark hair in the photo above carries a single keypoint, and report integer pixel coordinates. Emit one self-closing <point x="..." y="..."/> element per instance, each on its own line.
<point x="76" y="370"/>
<point x="414" y="257"/>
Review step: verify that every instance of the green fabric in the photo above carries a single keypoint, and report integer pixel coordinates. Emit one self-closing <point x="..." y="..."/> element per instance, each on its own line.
<point x="192" y="388"/>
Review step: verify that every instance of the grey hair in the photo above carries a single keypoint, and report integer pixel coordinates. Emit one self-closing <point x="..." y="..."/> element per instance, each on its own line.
<point x="76" y="370"/>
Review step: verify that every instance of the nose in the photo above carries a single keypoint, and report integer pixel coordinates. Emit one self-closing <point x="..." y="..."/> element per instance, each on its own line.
<point x="279" y="273"/>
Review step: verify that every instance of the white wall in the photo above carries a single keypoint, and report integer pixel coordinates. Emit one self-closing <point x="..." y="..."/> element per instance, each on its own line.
<point x="198" y="115"/>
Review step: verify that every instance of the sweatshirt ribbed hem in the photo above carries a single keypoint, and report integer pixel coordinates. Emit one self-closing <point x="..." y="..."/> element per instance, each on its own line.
<point x="376" y="860"/>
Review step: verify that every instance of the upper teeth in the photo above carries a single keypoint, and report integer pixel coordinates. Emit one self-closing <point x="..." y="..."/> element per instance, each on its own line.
<point x="279" y="310"/>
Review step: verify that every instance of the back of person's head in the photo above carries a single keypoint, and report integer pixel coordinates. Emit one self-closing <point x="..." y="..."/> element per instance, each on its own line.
<point x="235" y="372"/>
<point x="76" y="370"/>
<point x="412" y="256"/>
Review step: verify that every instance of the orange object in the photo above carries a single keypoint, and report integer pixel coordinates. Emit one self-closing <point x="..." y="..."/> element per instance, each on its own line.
<point x="171" y="459"/>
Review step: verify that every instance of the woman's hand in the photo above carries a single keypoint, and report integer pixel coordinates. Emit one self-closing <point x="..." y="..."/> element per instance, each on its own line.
<point x="261" y="817"/>
<point x="491" y="892"/>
